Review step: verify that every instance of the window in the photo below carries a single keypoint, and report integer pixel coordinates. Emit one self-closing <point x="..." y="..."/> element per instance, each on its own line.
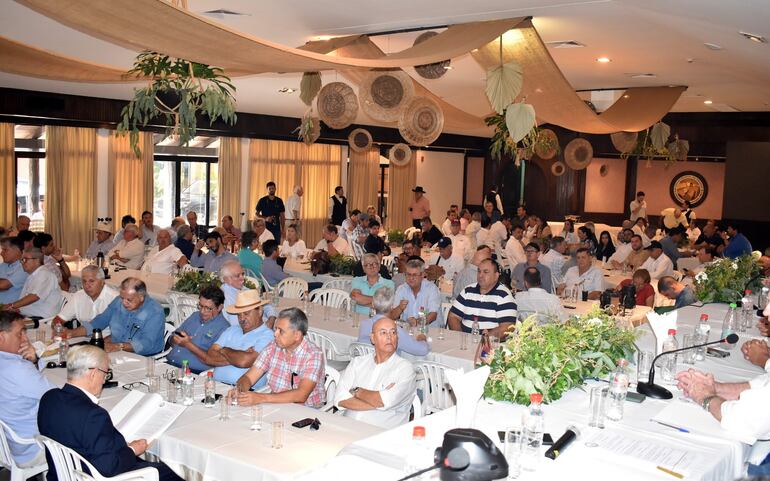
<point x="184" y="184"/>
<point x="30" y="174"/>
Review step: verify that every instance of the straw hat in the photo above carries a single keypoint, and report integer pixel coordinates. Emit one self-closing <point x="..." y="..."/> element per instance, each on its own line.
<point x="432" y="70"/>
<point x="337" y="105"/>
<point x="558" y="168"/>
<point x="104" y="226"/>
<point x="543" y="152"/>
<point x="360" y="140"/>
<point x="385" y="94"/>
<point x="246" y="301"/>
<point x="578" y="154"/>
<point x="401" y="155"/>
<point x="625" y="142"/>
<point x="421" y="122"/>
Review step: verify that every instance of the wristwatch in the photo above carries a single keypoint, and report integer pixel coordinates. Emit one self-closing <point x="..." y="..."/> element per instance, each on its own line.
<point x="354" y="391"/>
<point x="707" y="401"/>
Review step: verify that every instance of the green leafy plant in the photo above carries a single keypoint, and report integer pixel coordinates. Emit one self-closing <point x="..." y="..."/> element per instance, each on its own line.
<point x="193" y="282"/>
<point x="653" y="144"/>
<point x="342" y="265"/>
<point x="725" y="280"/>
<point x="503" y="145"/>
<point x="396" y="236"/>
<point x="555" y="357"/>
<point x="177" y="91"/>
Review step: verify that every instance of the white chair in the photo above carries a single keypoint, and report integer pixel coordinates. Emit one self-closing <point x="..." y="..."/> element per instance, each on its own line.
<point x="330" y="386"/>
<point x="253" y="280"/>
<point x="68" y="463"/>
<point x="410" y="232"/>
<point x="168" y="331"/>
<point x="431" y="379"/>
<point x="416" y="408"/>
<point x="356" y="248"/>
<point x="341" y="284"/>
<point x="360" y="349"/>
<point x="188" y="268"/>
<point x="334" y="357"/>
<point x="181" y="305"/>
<point x="291" y="288"/>
<point x="389" y="262"/>
<point x="266" y="285"/>
<point x="445" y="308"/>
<point x="7" y="461"/>
<point x="336" y="298"/>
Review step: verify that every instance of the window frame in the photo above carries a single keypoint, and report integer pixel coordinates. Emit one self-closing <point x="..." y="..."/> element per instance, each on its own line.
<point x="178" y="160"/>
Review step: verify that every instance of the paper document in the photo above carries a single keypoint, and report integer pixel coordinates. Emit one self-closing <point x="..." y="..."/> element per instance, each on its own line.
<point x="144" y="416"/>
<point x="654" y="452"/>
<point x="693" y="418"/>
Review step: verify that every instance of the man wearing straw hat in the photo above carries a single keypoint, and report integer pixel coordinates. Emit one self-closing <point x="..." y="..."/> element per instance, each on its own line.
<point x="103" y="243"/>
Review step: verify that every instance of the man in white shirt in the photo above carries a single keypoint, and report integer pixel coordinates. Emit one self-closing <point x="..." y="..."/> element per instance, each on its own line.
<point x="658" y="264"/>
<point x="536" y="300"/>
<point x="40" y="296"/>
<point x="332" y="243"/>
<point x="446" y="226"/>
<point x="129" y="252"/>
<point x="165" y="257"/>
<point x="514" y="249"/>
<point x="447" y="261"/>
<point x="92" y="300"/>
<point x="584" y="275"/>
<point x="149" y="230"/>
<point x="349" y="224"/>
<point x="461" y="245"/>
<point x="622" y="250"/>
<point x="554" y="260"/>
<point x="263" y="234"/>
<point x="638" y="207"/>
<point x="294" y="205"/>
<point x="498" y="232"/>
<point x="415" y="295"/>
<point x="378" y="388"/>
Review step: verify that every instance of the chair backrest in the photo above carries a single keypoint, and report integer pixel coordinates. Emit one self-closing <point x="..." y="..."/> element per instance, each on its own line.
<point x="356" y="248"/>
<point x="186" y="305"/>
<point x="445" y="308"/>
<point x="437" y="394"/>
<point x="266" y="285"/>
<point x="336" y="298"/>
<point x="65" y="460"/>
<point x="327" y="346"/>
<point x="416" y="407"/>
<point x="341" y="284"/>
<point x="389" y="262"/>
<point x="6" y="458"/>
<point x="331" y="383"/>
<point x="360" y="349"/>
<point x="292" y="288"/>
<point x="188" y="268"/>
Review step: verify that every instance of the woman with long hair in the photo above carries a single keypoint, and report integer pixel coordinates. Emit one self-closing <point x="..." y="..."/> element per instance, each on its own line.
<point x="606" y="248"/>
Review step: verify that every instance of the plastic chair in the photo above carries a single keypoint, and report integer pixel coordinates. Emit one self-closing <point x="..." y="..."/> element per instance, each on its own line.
<point x="266" y="285"/>
<point x="291" y="288"/>
<point x="341" y="284"/>
<point x="360" y="349"/>
<point x="416" y="408"/>
<point x="168" y="331"/>
<point x="188" y="268"/>
<point x="445" y="308"/>
<point x="333" y="355"/>
<point x="436" y="393"/>
<point x="330" y="386"/>
<point x="389" y="262"/>
<point x="336" y="298"/>
<point x="68" y="463"/>
<point x="356" y="248"/>
<point x="182" y="305"/>
<point x="6" y="458"/>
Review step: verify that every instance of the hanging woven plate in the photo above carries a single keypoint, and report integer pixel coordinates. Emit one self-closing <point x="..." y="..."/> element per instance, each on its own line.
<point x="421" y="122"/>
<point x="544" y="152"/>
<point x="360" y="140"/>
<point x="558" y="168"/>
<point x="578" y="154"/>
<point x="337" y="105"/>
<point x="624" y="142"/>
<point x="434" y="70"/>
<point x="400" y="155"/>
<point x="385" y="94"/>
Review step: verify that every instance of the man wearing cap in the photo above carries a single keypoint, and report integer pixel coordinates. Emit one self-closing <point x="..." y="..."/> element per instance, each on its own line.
<point x="102" y="243"/>
<point x="419" y="208"/>
<point x="658" y="264"/>
<point x="446" y="261"/>
<point x="430" y="233"/>
<point x="12" y="275"/>
<point x="129" y="252"/>
<point x="532" y="253"/>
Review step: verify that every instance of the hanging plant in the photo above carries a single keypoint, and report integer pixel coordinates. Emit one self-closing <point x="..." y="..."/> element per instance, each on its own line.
<point x="177" y="91"/>
<point x="653" y="144"/>
<point x="309" y="87"/>
<point x="502" y="144"/>
<point x="309" y="128"/>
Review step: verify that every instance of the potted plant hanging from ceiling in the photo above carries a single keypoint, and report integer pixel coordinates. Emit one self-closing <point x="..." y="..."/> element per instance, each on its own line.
<point x="310" y="126"/>
<point x="653" y="143"/>
<point x="177" y="91"/>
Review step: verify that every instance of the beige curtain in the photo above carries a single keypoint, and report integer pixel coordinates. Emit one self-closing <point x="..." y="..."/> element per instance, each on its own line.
<point x="230" y="173"/>
<point x="363" y="178"/>
<point x="70" y="191"/>
<point x="7" y="176"/>
<point x="130" y="176"/>
<point x="401" y="181"/>
<point x="315" y="167"/>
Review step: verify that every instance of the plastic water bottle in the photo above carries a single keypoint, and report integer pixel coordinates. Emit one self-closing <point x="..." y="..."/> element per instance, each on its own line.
<point x="747" y="311"/>
<point x="763" y="293"/>
<point x="187" y="385"/>
<point x="58" y="329"/>
<point x="475" y="331"/>
<point x="730" y="325"/>
<point x="534" y="425"/>
<point x="64" y="347"/>
<point x="703" y="331"/>
<point x="418" y="456"/>
<point x="669" y="361"/>
<point x="617" y="392"/>
<point x="209" y="390"/>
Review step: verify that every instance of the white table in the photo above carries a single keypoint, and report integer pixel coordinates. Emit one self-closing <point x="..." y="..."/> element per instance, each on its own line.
<point x="158" y="285"/>
<point x="301" y="269"/>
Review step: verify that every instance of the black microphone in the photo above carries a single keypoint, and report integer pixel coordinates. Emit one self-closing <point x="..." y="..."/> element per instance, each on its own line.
<point x="457" y="459"/>
<point x="652" y="390"/>
<point x="571" y="434"/>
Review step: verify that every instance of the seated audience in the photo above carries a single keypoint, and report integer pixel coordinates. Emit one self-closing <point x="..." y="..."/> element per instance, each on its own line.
<point x="569" y="234"/>
<point x="28" y="237"/>
<point x="12" y="273"/>
<point x="40" y="296"/>
<point x="349" y="225"/>
<point x="430" y="233"/>
<point x="514" y="248"/>
<point x="710" y="236"/>
<point x="675" y="290"/>
<point x="645" y="293"/>
<point x="461" y="244"/>
<point x="474" y="225"/>
<point x="635" y="254"/>
<point x="248" y="256"/>
<point x="198" y="231"/>
<point x="587" y="239"/>
<point x="294" y="366"/>
<point x="469" y="274"/>
<point x="332" y="243"/>
<point x="372" y="212"/>
<point x="415" y="295"/>
<point x="736" y="243"/>
<point x="92" y="300"/>
<point x="184" y="236"/>
<point x="706" y="255"/>
<point x="164" y="257"/>
<point x="364" y="287"/>
<point x="374" y="243"/>
<point x="193" y="338"/>
<point x="445" y="263"/>
<point x="293" y="246"/>
<point x="149" y="230"/>
<point x="639" y="226"/>
<point x="87" y="428"/>
<point x="23" y="386"/>
<point x="102" y="243"/>
<point x="263" y="233"/>
<point x="451" y="215"/>
<point x="584" y="275"/>
<point x="670" y="243"/>
<point x="536" y="300"/>
<point x="232" y="233"/>
<point x="606" y="249"/>
<point x="217" y="255"/>
<point x="554" y="260"/>
<point x="124" y="221"/>
<point x="490" y="213"/>
<point x="532" y="253"/>
<point x="22" y="224"/>
<point x="487" y="301"/>
<point x="693" y="232"/>
<point x="271" y="270"/>
<point x="658" y="264"/>
<point x="129" y="252"/>
<point x="378" y="388"/>
<point x="361" y="231"/>
<point x="416" y="345"/>
<point x="234" y="281"/>
<point x="53" y="260"/>
<point x="358" y="268"/>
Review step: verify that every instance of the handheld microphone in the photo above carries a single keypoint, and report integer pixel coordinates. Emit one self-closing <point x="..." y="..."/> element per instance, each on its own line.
<point x="457" y="460"/>
<point x="650" y="389"/>
<point x="571" y="434"/>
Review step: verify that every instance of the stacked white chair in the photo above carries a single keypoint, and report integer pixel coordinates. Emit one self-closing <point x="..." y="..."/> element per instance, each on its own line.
<point x="168" y="331"/>
<point x="360" y="349"/>
<point x="335" y="298"/>
<point x="7" y="461"/>
<point x="291" y="288"/>
<point x="181" y="305"/>
<point x="431" y="379"/>
<point x="356" y="248"/>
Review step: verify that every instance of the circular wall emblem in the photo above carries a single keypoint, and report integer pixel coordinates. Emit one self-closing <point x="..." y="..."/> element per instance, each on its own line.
<point x="689" y="186"/>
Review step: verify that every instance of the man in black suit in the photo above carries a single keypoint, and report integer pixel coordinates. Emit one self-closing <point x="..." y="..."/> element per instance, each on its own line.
<point x="72" y="417"/>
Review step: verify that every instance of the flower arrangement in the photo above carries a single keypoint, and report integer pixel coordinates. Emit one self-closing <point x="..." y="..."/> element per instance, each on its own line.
<point x="725" y="280"/>
<point x="193" y="282"/>
<point x="553" y="358"/>
<point x="396" y="236"/>
<point x="342" y="265"/>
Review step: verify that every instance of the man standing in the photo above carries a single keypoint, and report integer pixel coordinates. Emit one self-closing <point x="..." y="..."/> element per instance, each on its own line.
<point x="658" y="264"/>
<point x="102" y="243"/>
<point x="89" y="302"/>
<point x="532" y="252"/>
<point x="584" y="275"/>
<point x="12" y="274"/>
<point x="198" y="231"/>
<point x="417" y="294"/>
<point x="338" y="207"/>
<point x="638" y="207"/>
<point x="40" y="296"/>
<point x="294" y="206"/>
<point x="378" y="388"/>
<point x="87" y="428"/>
<point x="149" y="230"/>
<point x="271" y="208"/>
<point x="675" y="290"/>
<point x="419" y="208"/>
<point x="217" y="255"/>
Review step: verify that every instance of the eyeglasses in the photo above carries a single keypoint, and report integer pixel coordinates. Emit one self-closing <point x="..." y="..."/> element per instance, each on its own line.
<point x="135" y="385"/>
<point x="106" y="373"/>
<point x="201" y="307"/>
<point x="25" y="259"/>
<point x="371" y="264"/>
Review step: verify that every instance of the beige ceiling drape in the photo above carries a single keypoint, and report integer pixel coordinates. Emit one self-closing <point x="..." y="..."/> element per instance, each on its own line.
<point x="401" y="181"/>
<point x="363" y="178"/>
<point x="130" y="176"/>
<point x="70" y="190"/>
<point x="230" y="173"/>
<point x="7" y="176"/>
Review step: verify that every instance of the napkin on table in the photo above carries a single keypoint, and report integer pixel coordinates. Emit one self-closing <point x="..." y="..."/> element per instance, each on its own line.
<point x="468" y="388"/>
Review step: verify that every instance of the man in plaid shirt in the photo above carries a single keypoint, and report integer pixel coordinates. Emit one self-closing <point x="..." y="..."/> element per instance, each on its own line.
<point x="294" y="366"/>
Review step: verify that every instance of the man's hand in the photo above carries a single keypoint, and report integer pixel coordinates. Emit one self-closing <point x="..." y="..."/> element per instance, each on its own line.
<point x="199" y="245"/>
<point x="421" y="337"/>
<point x="181" y="338"/>
<point x="764" y="327"/>
<point x="756" y="352"/>
<point x="27" y="352"/>
<point x="139" y="446"/>
<point x="696" y="385"/>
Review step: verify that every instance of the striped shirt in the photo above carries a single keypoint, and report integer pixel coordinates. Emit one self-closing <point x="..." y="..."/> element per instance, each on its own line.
<point x="492" y="309"/>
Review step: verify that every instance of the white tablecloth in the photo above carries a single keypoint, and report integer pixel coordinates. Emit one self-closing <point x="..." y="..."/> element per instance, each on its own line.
<point x="302" y="270"/>
<point x="158" y="285"/>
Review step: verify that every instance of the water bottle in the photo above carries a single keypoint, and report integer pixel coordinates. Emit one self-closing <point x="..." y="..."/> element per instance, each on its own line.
<point x="747" y="311"/>
<point x="58" y="329"/>
<point x="730" y="325"/>
<point x="475" y="331"/>
<point x="64" y="347"/>
<point x="669" y="361"/>
<point x="617" y="392"/>
<point x="187" y="385"/>
<point x="534" y="425"/>
<point x="419" y="456"/>
<point x="763" y="293"/>
<point x="209" y="390"/>
<point x="422" y="321"/>
<point x="703" y="336"/>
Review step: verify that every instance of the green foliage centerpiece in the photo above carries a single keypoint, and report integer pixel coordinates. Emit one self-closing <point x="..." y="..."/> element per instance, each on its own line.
<point x="192" y="282"/>
<point x="342" y="265"/>
<point x="555" y="357"/>
<point x="725" y="280"/>
<point x="396" y="236"/>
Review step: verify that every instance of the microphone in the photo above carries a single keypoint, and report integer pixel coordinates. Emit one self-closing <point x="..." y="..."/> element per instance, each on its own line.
<point x="457" y="460"/>
<point x="650" y="389"/>
<point x="571" y="434"/>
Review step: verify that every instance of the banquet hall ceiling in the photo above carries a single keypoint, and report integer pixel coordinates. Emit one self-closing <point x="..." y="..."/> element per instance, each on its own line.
<point x="660" y="37"/>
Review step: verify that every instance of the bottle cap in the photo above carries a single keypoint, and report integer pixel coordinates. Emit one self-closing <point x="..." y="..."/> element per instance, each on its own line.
<point x="747" y="292"/>
<point x="418" y="432"/>
<point x="672" y="332"/>
<point x="733" y="305"/>
<point x="536" y="397"/>
<point x="622" y="362"/>
<point x="704" y="317"/>
<point x="184" y="362"/>
<point x="210" y="374"/>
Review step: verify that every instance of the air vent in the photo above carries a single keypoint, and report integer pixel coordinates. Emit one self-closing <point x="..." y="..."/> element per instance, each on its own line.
<point x="712" y="46"/>
<point x="565" y="44"/>
<point x="641" y="75"/>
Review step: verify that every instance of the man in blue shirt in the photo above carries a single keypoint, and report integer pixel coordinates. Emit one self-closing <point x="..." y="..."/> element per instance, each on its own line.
<point x="217" y="255"/>
<point x="682" y="295"/>
<point x="670" y="244"/>
<point x="12" y="275"/>
<point x="737" y="245"/>
<point x="199" y="331"/>
<point x="23" y="386"/>
<point x="239" y="346"/>
<point x="364" y="287"/>
<point x="233" y="282"/>
<point x="416" y="345"/>
<point x="417" y="294"/>
<point x="271" y="271"/>
<point x="134" y="318"/>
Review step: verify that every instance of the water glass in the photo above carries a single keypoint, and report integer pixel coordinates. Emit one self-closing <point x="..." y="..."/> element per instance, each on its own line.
<point x="277" y="434"/>
<point x="441" y="333"/>
<point x="224" y="409"/>
<point x="40" y="334"/>
<point x="256" y="417"/>
<point x="153" y="384"/>
<point x="513" y="450"/>
<point x="643" y="365"/>
<point x="150" y="367"/>
<point x="326" y="313"/>
<point x="463" y="341"/>
<point x="236" y="394"/>
<point x="355" y="320"/>
<point x="171" y="391"/>
<point x="688" y="357"/>
<point x="597" y="407"/>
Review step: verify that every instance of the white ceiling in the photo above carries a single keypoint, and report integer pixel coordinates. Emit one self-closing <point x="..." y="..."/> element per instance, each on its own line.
<point x="663" y="37"/>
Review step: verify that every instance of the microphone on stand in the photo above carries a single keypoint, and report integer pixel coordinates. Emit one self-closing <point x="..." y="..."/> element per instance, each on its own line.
<point x="650" y="389"/>
<point x="457" y="460"/>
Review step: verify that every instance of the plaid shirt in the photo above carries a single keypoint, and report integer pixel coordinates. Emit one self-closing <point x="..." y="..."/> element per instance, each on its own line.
<point x="285" y="369"/>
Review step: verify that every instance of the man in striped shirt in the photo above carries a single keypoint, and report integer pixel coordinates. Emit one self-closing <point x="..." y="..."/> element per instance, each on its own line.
<point x="488" y="301"/>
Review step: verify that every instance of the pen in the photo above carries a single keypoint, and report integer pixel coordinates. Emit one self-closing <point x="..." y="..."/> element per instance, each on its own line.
<point x="681" y="430"/>
<point x="672" y="473"/>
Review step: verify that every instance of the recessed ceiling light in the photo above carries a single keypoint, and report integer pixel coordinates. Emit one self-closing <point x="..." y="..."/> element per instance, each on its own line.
<point x="712" y="46"/>
<point x="708" y="102"/>
<point x="603" y="60"/>
<point x="754" y="37"/>
<point x="286" y="90"/>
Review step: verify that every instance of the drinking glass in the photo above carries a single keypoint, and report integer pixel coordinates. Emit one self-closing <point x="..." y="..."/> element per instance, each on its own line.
<point x="153" y="384"/>
<point x="688" y="357"/>
<point x="356" y="321"/>
<point x="463" y="341"/>
<point x="150" y="367"/>
<point x="513" y="451"/>
<point x="643" y="365"/>
<point x="171" y="391"/>
<point x="326" y="313"/>
<point x="40" y="334"/>
<point x="277" y="434"/>
<point x="238" y="392"/>
<point x="256" y="417"/>
<point x="597" y="406"/>
<point x="441" y="333"/>
<point x="224" y="409"/>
